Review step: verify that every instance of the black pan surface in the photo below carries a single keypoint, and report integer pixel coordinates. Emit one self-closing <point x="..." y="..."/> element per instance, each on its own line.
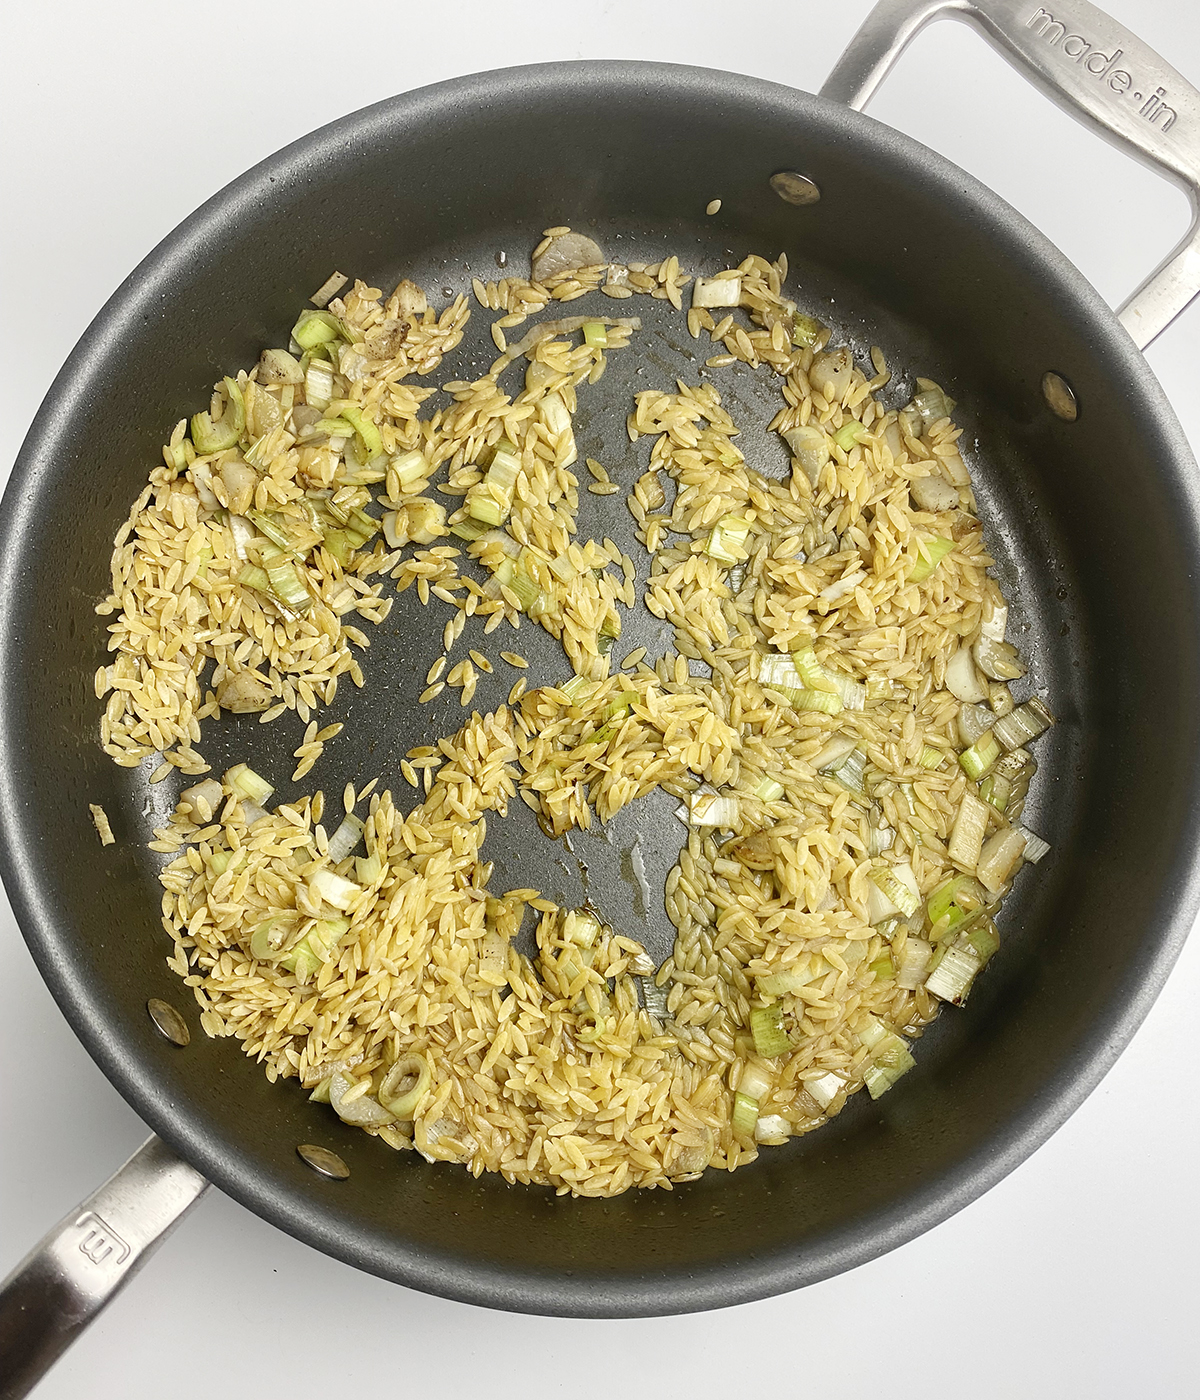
<point x="903" y="251"/>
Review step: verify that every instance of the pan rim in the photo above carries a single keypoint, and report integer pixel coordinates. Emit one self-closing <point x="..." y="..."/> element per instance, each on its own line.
<point x="475" y="1281"/>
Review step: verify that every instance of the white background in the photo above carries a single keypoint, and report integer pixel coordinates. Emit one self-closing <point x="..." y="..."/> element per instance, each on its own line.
<point x="1076" y="1276"/>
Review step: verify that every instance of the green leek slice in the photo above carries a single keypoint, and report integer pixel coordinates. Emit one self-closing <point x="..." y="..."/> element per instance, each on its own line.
<point x="316" y="328"/>
<point x="982" y="756"/>
<point x="930" y="554"/>
<point x="248" y="784"/>
<point x="850" y="433"/>
<point x="208" y="436"/>
<point x="806" y="330"/>
<point x="405" y="1085"/>
<point x="727" y="539"/>
<point x="745" y="1116"/>
<point x="365" y="430"/>
<point x="766" y="1025"/>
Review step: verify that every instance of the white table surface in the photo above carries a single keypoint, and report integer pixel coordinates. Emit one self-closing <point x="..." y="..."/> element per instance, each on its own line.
<point x="1076" y="1276"/>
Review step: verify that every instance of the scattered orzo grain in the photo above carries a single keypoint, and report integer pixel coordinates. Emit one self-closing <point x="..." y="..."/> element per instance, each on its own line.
<point x="100" y="818"/>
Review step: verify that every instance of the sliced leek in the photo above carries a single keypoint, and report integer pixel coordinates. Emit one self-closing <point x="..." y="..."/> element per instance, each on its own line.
<point x="365" y="430"/>
<point x="712" y="809"/>
<point x="745" y="1116"/>
<point x="806" y="330"/>
<point x="982" y="756"/>
<point x="999" y="858"/>
<point x="727" y="539"/>
<point x="813" y="676"/>
<point x="1025" y="723"/>
<point x="766" y="1025"/>
<point x="850" y="433"/>
<point x="930" y="554"/>
<point x="248" y="784"/>
<point x="952" y="978"/>
<point x="333" y="889"/>
<point x="405" y="1085"/>
<point x="209" y="436"/>
<point x="490" y="500"/>
<point x="966" y="836"/>
<point x="898" y="885"/>
<point x="825" y="1088"/>
<point x="316" y="328"/>
<point x="345" y="838"/>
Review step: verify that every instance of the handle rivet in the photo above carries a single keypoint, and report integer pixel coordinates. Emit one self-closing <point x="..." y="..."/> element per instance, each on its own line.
<point x="169" y="1022"/>
<point x="1060" y="397"/>
<point x="323" y="1161"/>
<point x="794" y="188"/>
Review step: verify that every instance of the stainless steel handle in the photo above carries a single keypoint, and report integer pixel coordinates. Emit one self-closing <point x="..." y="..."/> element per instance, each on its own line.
<point x="1094" y="69"/>
<point x="57" y="1289"/>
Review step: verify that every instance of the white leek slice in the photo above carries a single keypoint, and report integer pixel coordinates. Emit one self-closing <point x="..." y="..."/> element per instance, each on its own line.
<point x="772" y="1130"/>
<point x="411" y="470"/>
<point x="880" y="838"/>
<point x="209" y="791"/>
<point x="362" y="1111"/>
<point x="744" y="1119"/>
<point x="999" y="660"/>
<point x="853" y="694"/>
<point x="405" y="1085"/>
<point x="914" y="964"/>
<point x="952" y="978"/>
<point x="825" y="1089"/>
<point x="716" y="291"/>
<point x="966" y="837"/>
<point x="345" y="838"/>
<point x="247" y="783"/>
<point x="318" y="384"/>
<point x="727" y="539"/>
<point x="766" y="1025"/>
<point x="899" y="887"/>
<point x="995" y="620"/>
<point x="812" y="674"/>
<point x="713" y="809"/>
<point x="1035" y="847"/>
<point x="654" y="999"/>
<point x="879" y="907"/>
<point x="999" y="858"/>
<point x="490" y="500"/>
<point x="776" y="670"/>
<point x="973" y="720"/>
<point x="784" y="983"/>
<point x="581" y="927"/>
<point x="1025" y="723"/>
<point x="243" y="532"/>
<point x="982" y="756"/>
<point x="809" y="447"/>
<point x="963" y="680"/>
<point x="755" y="1082"/>
<point x="333" y="889"/>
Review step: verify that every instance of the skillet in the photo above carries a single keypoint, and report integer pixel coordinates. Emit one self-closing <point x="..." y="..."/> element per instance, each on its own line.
<point x="984" y="290"/>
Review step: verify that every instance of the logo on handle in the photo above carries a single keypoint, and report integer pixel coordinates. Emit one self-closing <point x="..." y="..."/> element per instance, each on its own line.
<point x="100" y="1242"/>
<point x="1103" y="67"/>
